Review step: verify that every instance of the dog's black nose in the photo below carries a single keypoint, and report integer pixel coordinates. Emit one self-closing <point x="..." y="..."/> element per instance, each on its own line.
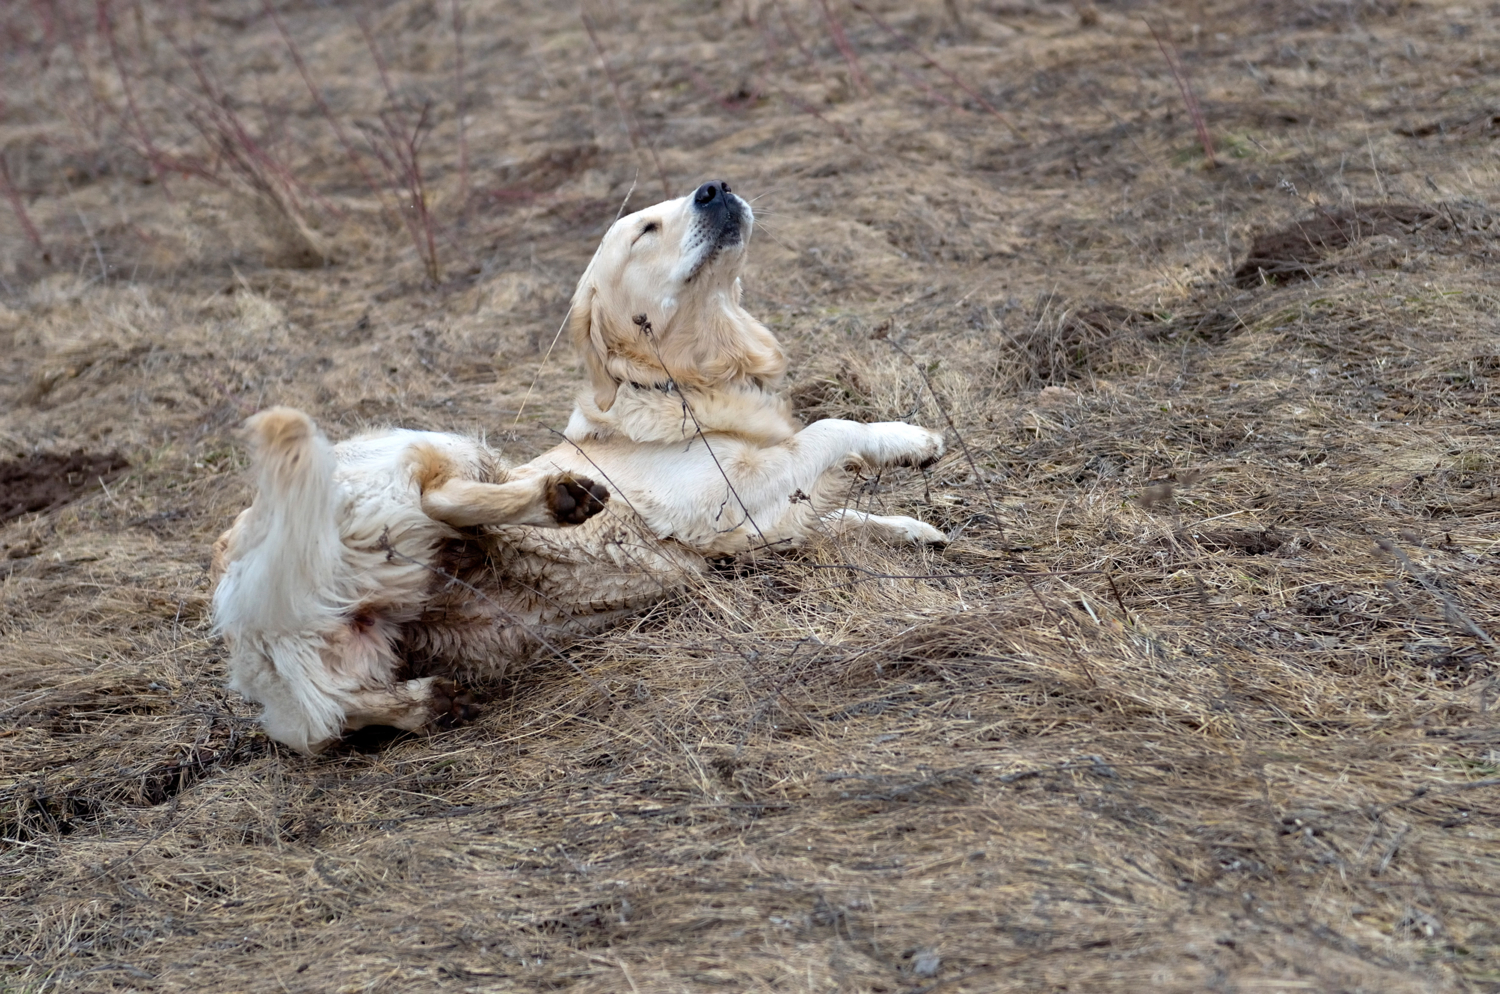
<point x="710" y="191"/>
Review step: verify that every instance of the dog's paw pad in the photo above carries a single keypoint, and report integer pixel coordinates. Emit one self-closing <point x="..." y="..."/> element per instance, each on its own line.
<point x="574" y="500"/>
<point x="452" y="705"/>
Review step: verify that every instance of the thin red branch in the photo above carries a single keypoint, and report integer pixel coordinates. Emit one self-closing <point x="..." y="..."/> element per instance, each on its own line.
<point x="841" y="40"/>
<point x="927" y="87"/>
<point x="910" y="46"/>
<point x="106" y="28"/>
<point x="1188" y="97"/>
<point x="385" y="77"/>
<point x="317" y="95"/>
<point x="706" y="87"/>
<point x="399" y="154"/>
<point x="631" y="127"/>
<point x="791" y="29"/>
<point x="461" y="103"/>
<point x="18" y="206"/>
<point x="214" y="117"/>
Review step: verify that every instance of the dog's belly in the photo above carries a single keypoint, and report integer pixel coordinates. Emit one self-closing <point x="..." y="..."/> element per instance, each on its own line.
<point x="682" y="491"/>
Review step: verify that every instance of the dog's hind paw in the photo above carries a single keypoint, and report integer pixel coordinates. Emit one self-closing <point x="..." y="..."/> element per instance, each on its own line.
<point x="452" y="705"/>
<point x="898" y="528"/>
<point x="575" y="499"/>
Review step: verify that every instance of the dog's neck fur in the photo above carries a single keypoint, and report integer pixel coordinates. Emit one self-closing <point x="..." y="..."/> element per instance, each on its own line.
<point x="666" y="412"/>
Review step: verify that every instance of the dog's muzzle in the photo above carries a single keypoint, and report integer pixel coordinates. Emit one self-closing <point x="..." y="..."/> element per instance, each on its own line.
<point x="721" y="213"/>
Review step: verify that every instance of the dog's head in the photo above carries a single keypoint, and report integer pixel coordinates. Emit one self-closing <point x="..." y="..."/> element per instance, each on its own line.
<point x="661" y="300"/>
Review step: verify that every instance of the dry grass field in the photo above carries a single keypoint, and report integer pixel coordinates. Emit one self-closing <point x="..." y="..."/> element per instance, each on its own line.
<point x="1202" y="696"/>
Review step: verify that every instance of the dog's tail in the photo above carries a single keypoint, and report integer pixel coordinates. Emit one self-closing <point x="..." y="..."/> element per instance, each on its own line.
<point x="286" y="572"/>
<point x="286" y="583"/>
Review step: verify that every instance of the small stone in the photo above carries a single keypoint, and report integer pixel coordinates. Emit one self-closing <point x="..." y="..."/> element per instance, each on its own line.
<point x="926" y="964"/>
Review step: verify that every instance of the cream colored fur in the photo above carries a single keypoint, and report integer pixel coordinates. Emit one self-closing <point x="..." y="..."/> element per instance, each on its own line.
<point x="715" y="461"/>
<point x="683" y="422"/>
<point x="317" y="577"/>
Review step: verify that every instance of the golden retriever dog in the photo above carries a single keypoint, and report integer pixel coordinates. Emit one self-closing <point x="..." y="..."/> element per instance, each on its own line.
<point x="683" y="422"/>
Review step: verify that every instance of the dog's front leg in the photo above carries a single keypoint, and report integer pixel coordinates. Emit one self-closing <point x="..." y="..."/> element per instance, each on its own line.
<point x="411" y="705"/>
<point x="543" y="500"/>
<point x="828" y="445"/>
<point x="765" y="478"/>
<point x="824" y="445"/>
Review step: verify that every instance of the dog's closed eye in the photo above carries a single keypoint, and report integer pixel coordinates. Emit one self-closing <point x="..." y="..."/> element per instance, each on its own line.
<point x="646" y="229"/>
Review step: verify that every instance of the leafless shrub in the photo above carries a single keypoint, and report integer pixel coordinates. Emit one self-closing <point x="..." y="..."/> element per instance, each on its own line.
<point x="279" y="198"/>
<point x="396" y="143"/>
<point x="841" y="42"/>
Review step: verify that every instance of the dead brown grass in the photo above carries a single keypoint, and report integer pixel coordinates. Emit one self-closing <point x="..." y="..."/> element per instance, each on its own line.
<point x="1201" y="697"/>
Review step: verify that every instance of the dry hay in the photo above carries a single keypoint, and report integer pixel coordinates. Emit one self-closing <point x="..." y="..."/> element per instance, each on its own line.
<point x="1201" y="696"/>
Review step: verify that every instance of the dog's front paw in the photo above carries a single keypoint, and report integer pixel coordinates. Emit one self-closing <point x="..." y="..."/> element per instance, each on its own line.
<point x="896" y="443"/>
<point x="451" y="705"/>
<point x="575" y="499"/>
<point x="920" y="532"/>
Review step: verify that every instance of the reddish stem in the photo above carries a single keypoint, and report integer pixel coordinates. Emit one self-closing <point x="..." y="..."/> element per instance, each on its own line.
<point x="952" y="78"/>
<point x="1189" y="98"/>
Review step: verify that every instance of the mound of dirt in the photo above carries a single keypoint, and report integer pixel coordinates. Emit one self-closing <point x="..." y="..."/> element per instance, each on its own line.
<point x="50" y="479"/>
<point x="1291" y="253"/>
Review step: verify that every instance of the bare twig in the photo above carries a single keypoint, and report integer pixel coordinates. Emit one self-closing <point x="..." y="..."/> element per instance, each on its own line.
<point x="1454" y="612"/>
<point x="954" y="79"/>
<point x="841" y="41"/>
<point x="398" y="150"/>
<point x="380" y="67"/>
<point x="1188" y="96"/>
<point x="211" y="111"/>
<point x="791" y="29"/>
<point x="994" y="510"/>
<point x="106" y="28"/>
<point x="461" y="105"/>
<point x="632" y="128"/>
<point x="942" y="409"/>
<point x="327" y="112"/>
<point x="644" y="323"/>
<point x="18" y="206"/>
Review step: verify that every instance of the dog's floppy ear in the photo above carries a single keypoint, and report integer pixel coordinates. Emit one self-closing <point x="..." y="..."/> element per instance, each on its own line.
<point x="587" y="331"/>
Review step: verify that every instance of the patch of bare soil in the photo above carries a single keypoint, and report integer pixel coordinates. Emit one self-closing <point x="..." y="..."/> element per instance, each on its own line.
<point x="1201" y="695"/>
<point x="45" y="480"/>
<point x="1292" y="252"/>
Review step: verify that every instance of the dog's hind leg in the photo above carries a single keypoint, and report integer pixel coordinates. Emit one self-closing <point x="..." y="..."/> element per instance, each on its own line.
<point x="410" y="705"/>
<point x="545" y="500"/>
